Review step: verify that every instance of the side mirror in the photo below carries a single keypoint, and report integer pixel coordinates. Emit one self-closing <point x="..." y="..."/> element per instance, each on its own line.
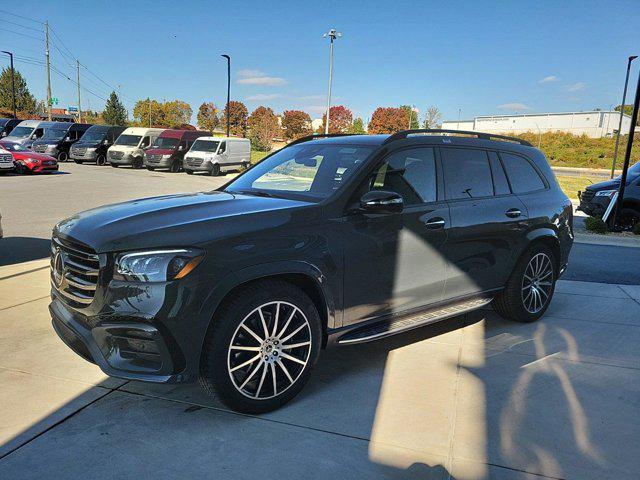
<point x="381" y="201"/>
<point x="180" y="148"/>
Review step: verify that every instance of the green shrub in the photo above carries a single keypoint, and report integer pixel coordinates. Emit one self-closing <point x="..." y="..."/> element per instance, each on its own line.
<point x="595" y="225"/>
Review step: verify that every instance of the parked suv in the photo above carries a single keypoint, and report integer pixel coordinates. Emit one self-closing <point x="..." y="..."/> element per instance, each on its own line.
<point x="58" y="138"/>
<point x="167" y="151"/>
<point x="129" y="147"/>
<point x="596" y="198"/>
<point x="28" y="131"/>
<point x="328" y="241"/>
<point x="93" y="145"/>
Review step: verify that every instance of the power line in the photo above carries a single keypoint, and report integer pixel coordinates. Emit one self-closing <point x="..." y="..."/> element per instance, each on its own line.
<point x="23" y="17"/>
<point x="22" y="26"/>
<point x="62" y="74"/>
<point x="22" y="34"/>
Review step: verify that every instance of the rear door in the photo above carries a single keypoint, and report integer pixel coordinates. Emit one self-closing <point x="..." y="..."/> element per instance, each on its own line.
<point x="487" y="221"/>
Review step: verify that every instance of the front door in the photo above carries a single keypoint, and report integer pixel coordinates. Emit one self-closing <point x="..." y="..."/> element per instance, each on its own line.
<point x="395" y="262"/>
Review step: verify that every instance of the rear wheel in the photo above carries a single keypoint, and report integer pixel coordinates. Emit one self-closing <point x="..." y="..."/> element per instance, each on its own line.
<point x="189" y="172"/>
<point x="151" y="169"/>
<point x="63" y="156"/>
<point x="175" y="167"/>
<point x="114" y="165"/>
<point x="261" y="347"/>
<point x="101" y="160"/>
<point x="530" y="288"/>
<point x="79" y="162"/>
<point x="215" y="170"/>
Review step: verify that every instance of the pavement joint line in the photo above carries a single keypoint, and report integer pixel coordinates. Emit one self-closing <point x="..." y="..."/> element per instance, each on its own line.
<point x="513" y="469"/>
<point x="627" y="293"/>
<point x="51" y="427"/>
<point x="24" y="303"/>
<point x="64" y="379"/>
<point x="24" y="273"/>
<point x="568" y="360"/>
<point x="452" y="428"/>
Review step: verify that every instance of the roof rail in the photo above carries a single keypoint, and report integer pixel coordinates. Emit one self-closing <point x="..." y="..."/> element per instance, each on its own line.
<point x="320" y="135"/>
<point x="485" y="136"/>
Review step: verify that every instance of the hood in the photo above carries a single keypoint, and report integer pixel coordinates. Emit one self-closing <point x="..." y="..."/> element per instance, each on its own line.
<point x="81" y="144"/>
<point x="159" y="151"/>
<point x="46" y="142"/>
<point x="25" y="155"/>
<point x="173" y="220"/>
<point x="123" y="148"/>
<point x="606" y="185"/>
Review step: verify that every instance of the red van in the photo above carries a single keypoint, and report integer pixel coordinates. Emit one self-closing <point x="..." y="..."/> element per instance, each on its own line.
<point x="167" y="151"/>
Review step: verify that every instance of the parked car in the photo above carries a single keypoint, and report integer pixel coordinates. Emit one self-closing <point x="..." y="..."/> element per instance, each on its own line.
<point x="596" y="198"/>
<point x="217" y="154"/>
<point x="93" y="145"/>
<point x="167" y="151"/>
<point x="27" y="161"/>
<point x="129" y="147"/>
<point x="28" y="131"/>
<point x="58" y="138"/>
<point x="8" y="124"/>
<point x="6" y="161"/>
<point x="328" y="241"/>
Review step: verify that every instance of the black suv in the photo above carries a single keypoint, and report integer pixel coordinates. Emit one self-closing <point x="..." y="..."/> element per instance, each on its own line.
<point x="596" y="198"/>
<point x="330" y="241"/>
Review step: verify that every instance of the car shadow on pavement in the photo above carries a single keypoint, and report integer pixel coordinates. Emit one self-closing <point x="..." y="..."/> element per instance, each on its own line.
<point x="14" y="250"/>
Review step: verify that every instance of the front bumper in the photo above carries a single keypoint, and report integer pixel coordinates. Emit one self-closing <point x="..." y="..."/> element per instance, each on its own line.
<point x="126" y="159"/>
<point x="159" y="163"/>
<point x="40" y="168"/>
<point x="595" y="206"/>
<point x="87" y="155"/>
<point x="205" y="166"/>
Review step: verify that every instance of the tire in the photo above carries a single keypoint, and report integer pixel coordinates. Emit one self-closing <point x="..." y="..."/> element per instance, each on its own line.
<point x="215" y="170"/>
<point x="79" y="162"/>
<point x="101" y="160"/>
<point x="523" y="300"/>
<point x="63" y="157"/>
<point x="189" y="172"/>
<point x="21" y="169"/>
<point x="176" y="166"/>
<point x="629" y="218"/>
<point x="151" y="169"/>
<point x="114" y="165"/>
<point x="137" y="163"/>
<point x="247" y="386"/>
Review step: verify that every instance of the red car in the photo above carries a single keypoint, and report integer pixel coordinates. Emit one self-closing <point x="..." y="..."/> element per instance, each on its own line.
<point x="27" y="161"/>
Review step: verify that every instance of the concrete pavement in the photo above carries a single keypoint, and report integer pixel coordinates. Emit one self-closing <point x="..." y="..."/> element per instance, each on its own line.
<point x="553" y="399"/>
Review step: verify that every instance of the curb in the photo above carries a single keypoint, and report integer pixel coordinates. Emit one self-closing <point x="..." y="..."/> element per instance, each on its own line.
<point x="607" y="240"/>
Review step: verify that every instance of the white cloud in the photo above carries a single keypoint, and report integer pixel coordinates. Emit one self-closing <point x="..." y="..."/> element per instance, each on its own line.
<point x="549" y="79"/>
<point x="514" y="106"/>
<point x="314" y="97"/>
<point x="259" y="97"/>
<point x="316" y="108"/>
<point x="257" y="77"/>
<point x="576" y="87"/>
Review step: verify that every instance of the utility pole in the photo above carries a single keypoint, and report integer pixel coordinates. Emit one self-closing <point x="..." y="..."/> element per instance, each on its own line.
<point x="228" y="89"/>
<point x="79" y="104"/>
<point x="332" y="34"/>
<point x="13" y="84"/>
<point x="46" y="53"/>
<point x="624" y="98"/>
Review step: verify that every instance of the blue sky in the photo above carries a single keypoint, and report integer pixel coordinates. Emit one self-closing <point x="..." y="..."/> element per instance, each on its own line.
<point x="481" y="57"/>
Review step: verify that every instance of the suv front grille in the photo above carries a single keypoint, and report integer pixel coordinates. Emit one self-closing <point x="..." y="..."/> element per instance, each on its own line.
<point x="6" y="158"/>
<point x="74" y="271"/>
<point x="154" y="158"/>
<point x="40" y="148"/>
<point x="79" y="151"/>
<point x="587" y="196"/>
<point x="193" y="162"/>
<point x="116" y="155"/>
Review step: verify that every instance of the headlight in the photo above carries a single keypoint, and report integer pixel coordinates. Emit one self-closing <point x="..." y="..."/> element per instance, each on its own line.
<point x="91" y="149"/>
<point x="33" y="160"/>
<point x="605" y="193"/>
<point x="157" y="265"/>
<point x="166" y="157"/>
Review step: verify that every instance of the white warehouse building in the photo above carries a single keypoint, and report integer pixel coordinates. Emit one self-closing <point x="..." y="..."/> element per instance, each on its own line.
<point x="595" y="124"/>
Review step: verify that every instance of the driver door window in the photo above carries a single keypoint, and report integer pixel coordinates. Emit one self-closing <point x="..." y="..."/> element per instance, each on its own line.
<point x="146" y="141"/>
<point x="223" y="148"/>
<point x="38" y="133"/>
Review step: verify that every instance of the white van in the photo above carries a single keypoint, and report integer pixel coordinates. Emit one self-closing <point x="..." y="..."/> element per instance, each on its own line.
<point x="27" y="131"/>
<point x="129" y="147"/>
<point x="217" y="154"/>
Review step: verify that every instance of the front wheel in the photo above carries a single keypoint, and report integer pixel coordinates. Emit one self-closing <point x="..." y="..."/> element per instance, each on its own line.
<point x="629" y="218"/>
<point x="137" y="163"/>
<point x="175" y="167"/>
<point x="215" y="170"/>
<point x="261" y="347"/>
<point x="63" y="157"/>
<point x="114" y="165"/>
<point x="189" y="172"/>
<point x="151" y="169"/>
<point x="530" y="288"/>
<point x="101" y="160"/>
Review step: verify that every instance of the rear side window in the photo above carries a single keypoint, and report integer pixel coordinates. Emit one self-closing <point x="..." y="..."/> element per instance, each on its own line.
<point x="522" y="176"/>
<point x="499" y="178"/>
<point x="466" y="173"/>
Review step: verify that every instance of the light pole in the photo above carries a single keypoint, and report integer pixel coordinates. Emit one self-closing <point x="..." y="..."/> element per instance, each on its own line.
<point x="228" y="87"/>
<point x="459" y="114"/>
<point x="332" y="34"/>
<point x="13" y="84"/>
<point x="624" y="98"/>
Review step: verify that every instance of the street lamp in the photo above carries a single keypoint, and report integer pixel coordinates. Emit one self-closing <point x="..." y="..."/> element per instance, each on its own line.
<point x="332" y="34"/>
<point x="13" y="84"/>
<point x="624" y="97"/>
<point x="228" y="87"/>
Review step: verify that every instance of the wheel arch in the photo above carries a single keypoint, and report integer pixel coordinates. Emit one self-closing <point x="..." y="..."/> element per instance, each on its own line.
<point x="548" y="237"/>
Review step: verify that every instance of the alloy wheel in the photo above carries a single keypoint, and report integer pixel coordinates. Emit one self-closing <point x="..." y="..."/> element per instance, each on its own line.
<point x="537" y="283"/>
<point x="269" y="350"/>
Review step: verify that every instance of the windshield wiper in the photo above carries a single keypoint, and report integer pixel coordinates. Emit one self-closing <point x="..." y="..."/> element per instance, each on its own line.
<point x="257" y="193"/>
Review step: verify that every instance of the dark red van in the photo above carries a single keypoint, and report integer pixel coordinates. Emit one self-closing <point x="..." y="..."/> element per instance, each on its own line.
<point x="168" y="150"/>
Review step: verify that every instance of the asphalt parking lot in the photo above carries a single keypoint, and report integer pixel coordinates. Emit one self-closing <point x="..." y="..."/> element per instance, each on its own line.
<point x="474" y="397"/>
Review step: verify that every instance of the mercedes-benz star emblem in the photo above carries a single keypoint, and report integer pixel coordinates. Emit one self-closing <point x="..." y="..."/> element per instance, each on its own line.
<point x="58" y="267"/>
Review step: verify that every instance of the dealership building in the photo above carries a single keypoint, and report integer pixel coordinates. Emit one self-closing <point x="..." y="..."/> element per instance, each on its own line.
<point x="594" y="124"/>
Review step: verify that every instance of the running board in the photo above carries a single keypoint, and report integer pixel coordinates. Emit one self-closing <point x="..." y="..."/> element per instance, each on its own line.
<point x="386" y="328"/>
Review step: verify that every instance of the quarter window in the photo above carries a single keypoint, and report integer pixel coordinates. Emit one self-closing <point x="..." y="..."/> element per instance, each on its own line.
<point x="411" y="173"/>
<point x="522" y="176"/>
<point x="466" y="173"/>
<point x="500" y="183"/>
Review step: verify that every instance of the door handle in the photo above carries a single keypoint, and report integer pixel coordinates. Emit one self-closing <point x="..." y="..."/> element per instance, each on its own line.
<point x="433" y="223"/>
<point x="513" y="213"/>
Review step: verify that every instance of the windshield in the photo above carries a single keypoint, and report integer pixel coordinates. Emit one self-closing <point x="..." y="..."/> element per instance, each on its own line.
<point x="205" y="146"/>
<point x="164" y="142"/>
<point x="14" y="147"/>
<point x="310" y="171"/>
<point x="94" y="135"/>
<point x="21" y="132"/>
<point x="54" y="134"/>
<point x="128" y="140"/>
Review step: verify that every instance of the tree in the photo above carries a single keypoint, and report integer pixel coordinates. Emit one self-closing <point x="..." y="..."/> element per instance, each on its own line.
<point x="25" y="102"/>
<point x="176" y="112"/>
<point x="263" y="127"/>
<point x="208" y="117"/>
<point x="296" y="124"/>
<point x="237" y="118"/>
<point x="114" y="112"/>
<point x="412" y="117"/>
<point x="357" y="127"/>
<point x="340" y="119"/>
<point x="388" y="120"/>
<point x="149" y="113"/>
<point x="628" y="110"/>
<point x="433" y="117"/>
